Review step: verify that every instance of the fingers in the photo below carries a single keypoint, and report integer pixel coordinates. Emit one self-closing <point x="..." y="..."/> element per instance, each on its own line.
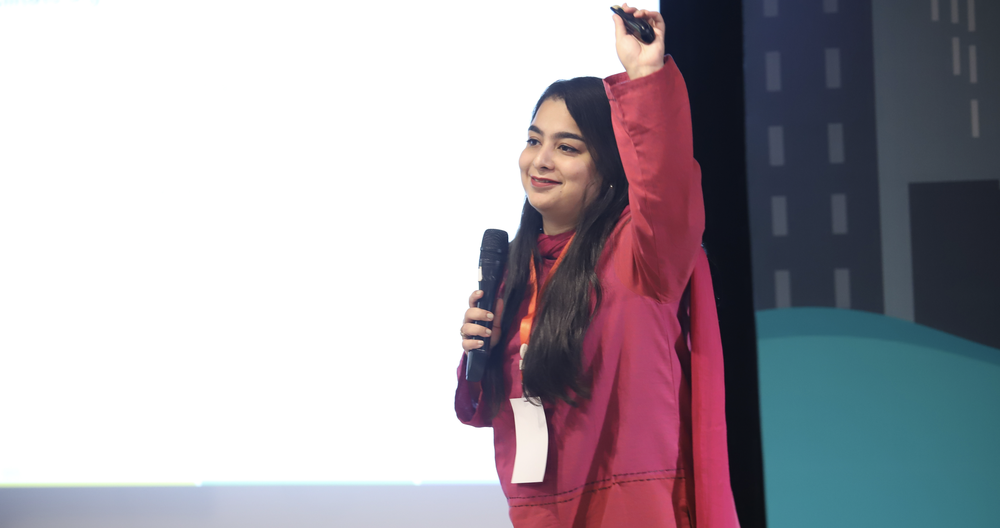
<point x="655" y="19"/>
<point x="477" y="314"/>
<point x="474" y="298"/>
<point x="472" y="344"/>
<point x="473" y="330"/>
<point x="620" y="32"/>
<point x="473" y="334"/>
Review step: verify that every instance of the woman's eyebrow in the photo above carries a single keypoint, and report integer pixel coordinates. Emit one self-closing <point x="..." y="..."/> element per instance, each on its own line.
<point x="557" y="135"/>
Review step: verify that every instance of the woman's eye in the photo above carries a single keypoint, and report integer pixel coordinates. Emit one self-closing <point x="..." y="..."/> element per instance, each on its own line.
<point x="533" y="142"/>
<point x="567" y="148"/>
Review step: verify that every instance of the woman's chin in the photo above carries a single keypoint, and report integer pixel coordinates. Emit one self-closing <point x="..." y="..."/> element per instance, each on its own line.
<point x="539" y="203"/>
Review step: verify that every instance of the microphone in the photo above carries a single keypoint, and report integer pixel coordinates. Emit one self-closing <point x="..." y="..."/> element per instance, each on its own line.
<point x="492" y="259"/>
<point x="637" y="27"/>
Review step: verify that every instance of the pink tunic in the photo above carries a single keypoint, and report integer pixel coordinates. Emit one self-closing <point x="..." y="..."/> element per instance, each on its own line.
<point x="649" y="447"/>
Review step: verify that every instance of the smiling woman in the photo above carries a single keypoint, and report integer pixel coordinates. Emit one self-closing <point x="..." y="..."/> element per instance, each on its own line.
<point x="576" y="188"/>
<point x="557" y="167"/>
<point x="604" y="388"/>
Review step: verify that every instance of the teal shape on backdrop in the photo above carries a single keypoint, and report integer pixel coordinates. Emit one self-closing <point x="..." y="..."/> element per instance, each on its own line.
<point x="873" y="421"/>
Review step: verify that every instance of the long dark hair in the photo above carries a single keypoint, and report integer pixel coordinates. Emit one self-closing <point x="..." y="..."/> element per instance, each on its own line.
<point x="553" y="367"/>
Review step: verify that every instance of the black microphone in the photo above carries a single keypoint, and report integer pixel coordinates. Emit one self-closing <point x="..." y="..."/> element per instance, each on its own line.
<point x="492" y="259"/>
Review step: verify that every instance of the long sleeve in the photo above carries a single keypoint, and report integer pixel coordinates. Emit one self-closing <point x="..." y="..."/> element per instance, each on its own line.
<point x="652" y="122"/>
<point x="468" y="400"/>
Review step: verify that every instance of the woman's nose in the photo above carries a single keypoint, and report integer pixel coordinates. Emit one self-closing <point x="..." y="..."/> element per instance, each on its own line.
<point x="543" y="159"/>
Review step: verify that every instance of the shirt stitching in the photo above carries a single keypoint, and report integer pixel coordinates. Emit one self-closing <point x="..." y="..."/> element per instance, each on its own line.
<point x="595" y="490"/>
<point x="597" y="482"/>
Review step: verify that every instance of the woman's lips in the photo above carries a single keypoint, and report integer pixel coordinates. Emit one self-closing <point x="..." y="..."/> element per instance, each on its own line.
<point x="543" y="183"/>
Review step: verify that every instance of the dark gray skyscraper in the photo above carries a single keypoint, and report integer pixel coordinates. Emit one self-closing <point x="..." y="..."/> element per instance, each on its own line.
<point x="812" y="156"/>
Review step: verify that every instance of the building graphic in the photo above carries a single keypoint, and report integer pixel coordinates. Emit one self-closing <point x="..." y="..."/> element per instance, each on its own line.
<point x="937" y="104"/>
<point x="873" y="158"/>
<point x="873" y="162"/>
<point x="812" y="159"/>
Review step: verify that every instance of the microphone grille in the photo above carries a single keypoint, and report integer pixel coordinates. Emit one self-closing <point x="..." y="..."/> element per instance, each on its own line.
<point x="495" y="241"/>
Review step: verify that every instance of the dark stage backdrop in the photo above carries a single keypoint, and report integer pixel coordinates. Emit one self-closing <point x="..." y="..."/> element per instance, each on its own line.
<point x="706" y="41"/>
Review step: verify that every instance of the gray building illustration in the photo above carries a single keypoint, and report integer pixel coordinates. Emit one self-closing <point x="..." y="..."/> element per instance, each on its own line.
<point x="812" y="162"/>
<point x="874" y="158"/>
<point x="937" y="104"/>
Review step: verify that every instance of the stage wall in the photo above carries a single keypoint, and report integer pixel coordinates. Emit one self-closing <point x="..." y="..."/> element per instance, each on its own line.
<point x="873" y="156"/>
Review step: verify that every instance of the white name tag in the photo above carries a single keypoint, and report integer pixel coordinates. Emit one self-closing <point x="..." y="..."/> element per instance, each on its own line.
<point x="532" y="435"/>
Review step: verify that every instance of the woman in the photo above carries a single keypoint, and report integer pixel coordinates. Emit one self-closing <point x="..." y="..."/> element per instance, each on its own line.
<point x="618" y="351"/>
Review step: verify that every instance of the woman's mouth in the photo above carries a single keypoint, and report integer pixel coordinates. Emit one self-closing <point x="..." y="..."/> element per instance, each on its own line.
<point x="543" y="182"/>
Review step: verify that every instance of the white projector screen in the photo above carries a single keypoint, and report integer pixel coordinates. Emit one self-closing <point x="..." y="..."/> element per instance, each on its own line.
<point x="237" y="237"/>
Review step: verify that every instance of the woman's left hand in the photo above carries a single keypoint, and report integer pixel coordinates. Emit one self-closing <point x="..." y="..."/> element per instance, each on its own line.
<point x="638" y="58"/>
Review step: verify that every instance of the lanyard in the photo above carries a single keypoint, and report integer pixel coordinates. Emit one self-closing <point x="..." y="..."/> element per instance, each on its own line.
<point x="531" y="433"/>
<point x="528" y="319"/>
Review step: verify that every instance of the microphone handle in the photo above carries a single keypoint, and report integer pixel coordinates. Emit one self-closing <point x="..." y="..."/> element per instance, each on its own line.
<point x="475" y="363"/>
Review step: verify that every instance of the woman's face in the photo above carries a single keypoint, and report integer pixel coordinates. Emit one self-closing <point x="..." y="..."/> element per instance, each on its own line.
<point x="557" y="170"/>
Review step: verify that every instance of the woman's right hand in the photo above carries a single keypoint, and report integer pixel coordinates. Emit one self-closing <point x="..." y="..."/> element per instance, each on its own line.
<point x="473" y="335"/>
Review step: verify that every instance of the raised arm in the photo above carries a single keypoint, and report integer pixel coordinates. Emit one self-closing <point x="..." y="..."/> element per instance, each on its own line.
<point x="652" y="122"/>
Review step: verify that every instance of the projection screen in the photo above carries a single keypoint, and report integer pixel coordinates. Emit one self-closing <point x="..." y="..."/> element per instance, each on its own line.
<point x="238" y="237"/>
